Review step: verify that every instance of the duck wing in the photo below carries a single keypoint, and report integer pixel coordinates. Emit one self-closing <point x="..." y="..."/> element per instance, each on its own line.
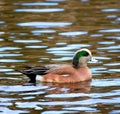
<point x="37" y="70"/>
<point x="33" y="71"/>
<point x="40" y="70"/>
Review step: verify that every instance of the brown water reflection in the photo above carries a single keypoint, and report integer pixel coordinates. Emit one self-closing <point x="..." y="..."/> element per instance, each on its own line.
<point x="82" y="87"/>
<point x="49" y="31"/>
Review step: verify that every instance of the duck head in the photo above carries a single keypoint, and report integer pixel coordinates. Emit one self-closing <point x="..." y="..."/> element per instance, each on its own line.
<point x="81" y="58"/>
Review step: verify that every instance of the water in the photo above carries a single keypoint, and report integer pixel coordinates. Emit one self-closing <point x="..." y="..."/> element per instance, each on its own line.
<point x="50" y="31"/>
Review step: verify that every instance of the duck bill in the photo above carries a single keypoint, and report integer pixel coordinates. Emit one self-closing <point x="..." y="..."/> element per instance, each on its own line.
<point x="93" y="60"/>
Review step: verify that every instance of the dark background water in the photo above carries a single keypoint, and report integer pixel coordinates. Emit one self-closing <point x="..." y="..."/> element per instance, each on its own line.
<point x="42" y="32"/>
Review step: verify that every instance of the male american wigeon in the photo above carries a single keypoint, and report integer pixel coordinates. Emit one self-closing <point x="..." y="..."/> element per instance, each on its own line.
<point x="62" y="73"/>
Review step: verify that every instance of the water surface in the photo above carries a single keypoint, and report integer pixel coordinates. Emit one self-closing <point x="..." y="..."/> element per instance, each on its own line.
<point x="50" y="31"/>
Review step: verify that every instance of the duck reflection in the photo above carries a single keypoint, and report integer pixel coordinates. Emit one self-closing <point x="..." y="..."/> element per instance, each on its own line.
<point x="56" y="88"/>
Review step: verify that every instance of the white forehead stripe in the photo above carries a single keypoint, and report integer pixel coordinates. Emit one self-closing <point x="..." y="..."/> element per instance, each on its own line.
<point x="84" y="49"/>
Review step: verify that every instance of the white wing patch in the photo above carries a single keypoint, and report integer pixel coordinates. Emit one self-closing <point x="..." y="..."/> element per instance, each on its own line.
<point x="39" y="78"/>
<point x="65" y="75"/>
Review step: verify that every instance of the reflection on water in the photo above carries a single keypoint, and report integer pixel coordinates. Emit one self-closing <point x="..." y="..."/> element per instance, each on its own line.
<point x="50" y="31"/>
<point x="45" y="24"/>
<point x="72" y="33"/>
<point x="40" y="10"/>
<point x="37" y="4"/>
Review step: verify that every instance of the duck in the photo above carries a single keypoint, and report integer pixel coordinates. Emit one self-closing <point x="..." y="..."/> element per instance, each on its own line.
<point x="77" y="71"/>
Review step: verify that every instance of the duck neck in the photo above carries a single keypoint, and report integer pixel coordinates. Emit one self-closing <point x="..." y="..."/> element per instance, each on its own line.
<point x="77" y="64"/>
<point x="82" y="65"/>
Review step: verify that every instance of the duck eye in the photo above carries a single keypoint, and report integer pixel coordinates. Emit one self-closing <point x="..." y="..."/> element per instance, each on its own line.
<point x="85" y="54"/>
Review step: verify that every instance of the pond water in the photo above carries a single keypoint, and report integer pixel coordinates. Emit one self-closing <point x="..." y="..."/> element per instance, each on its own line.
<point x="39" y="32"/>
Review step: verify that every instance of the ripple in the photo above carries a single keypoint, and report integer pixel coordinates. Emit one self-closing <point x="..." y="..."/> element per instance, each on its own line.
<point x="2" y="32"/>
<point x="114" y="51"/>
<point x="106" y="42"/>
<point x="56" y="103"/>
<point x="84" y="0"/>
<point x="12" y="60"/>
<point x="111" y="16"/>
<point x="59" y="112"/>
<point x="69" y="47"/>
<point x="10" y="55"/>
<point x="27" y="104"/>
<point x="4" y="110"/>
<point x="110" y="47"/>
<point x="62" y="59"/>
<point x="7" y="99"/>
<point x="63" y="53"/>
<point x="81" y="108"/>
<point x="73" y="34"/>
<point x="6" y="70"/>
<point x="102" y="58"/>
<point x="70" y="95"/>
<point x="118" y="19"/>
<point x="110" y="30"/>
<point x="1" y="39"/>
<point x="114" y="70"/>
<point x="9" y="48"/>
<point x="86" y="102"/>
<point x="13" y="73"/>
<point x="112" y="64"/>
<point x="99" y="70"/>
<point x="111" y="10"/>
<point x="28" y="98"/>
<point x="33" y="93"/>
<point x="113" y="37"/>
<point x="96" y="35"/>
<point x="35" y="47"/>
<point x="37" y="4"/>
<point x="115" y="111"/>
<point x="19" y="88"/>
<point x="106" y="82"/>
<point x="10" y="78"/>
<point x="61" y="43"/>
<point x="2" y="22"/>
<point x="27" y="41"/>
<point x="56" y="0"/>
<point x="45" y="24"/>
<point x="106" y="94"/>
<point x="46" y="10"/>
<point x="5" y="104"/>
<point x="39" y="32"/>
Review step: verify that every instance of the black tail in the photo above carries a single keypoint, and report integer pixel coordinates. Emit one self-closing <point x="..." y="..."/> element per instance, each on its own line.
<point x="33" y="71"/>
<point x="31" y="76"/>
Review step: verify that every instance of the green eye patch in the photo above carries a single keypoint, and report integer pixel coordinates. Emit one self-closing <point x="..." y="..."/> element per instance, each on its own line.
<point x="81" y="54"/>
